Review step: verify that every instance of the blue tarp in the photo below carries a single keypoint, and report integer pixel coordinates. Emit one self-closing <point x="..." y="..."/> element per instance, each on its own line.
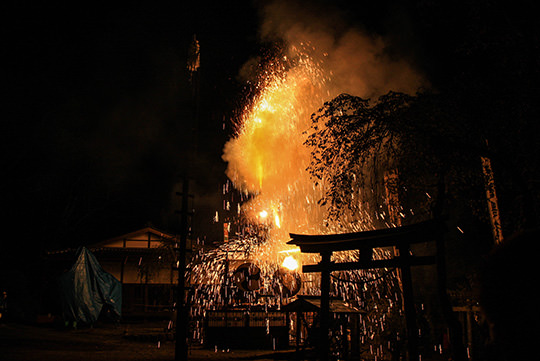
<point x="87" y="289"/>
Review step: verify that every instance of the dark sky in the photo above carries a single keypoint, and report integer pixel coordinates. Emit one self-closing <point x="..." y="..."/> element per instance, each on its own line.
<point x="100" y="111"/>
<point x="100" y="115"/>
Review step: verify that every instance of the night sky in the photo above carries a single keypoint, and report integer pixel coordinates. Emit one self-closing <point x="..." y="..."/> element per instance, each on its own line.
<point x="100" y="112"/>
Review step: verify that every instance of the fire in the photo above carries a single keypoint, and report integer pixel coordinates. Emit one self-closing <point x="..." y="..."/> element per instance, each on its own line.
<point x="268" y="158"/>
<point x="267" y="161"/>
<point x="277" y="222"/>
<point x="290" y="263"/>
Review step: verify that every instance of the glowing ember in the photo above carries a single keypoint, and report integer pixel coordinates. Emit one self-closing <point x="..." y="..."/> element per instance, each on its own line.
<point x="290" y="263"/>
<point x="277" y="222"/>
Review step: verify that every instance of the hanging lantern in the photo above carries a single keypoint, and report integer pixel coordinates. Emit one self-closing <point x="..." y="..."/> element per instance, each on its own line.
<point x="247" y="277"/>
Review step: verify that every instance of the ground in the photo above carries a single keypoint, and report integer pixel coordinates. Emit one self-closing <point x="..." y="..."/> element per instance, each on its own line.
<point x="124" y="342"/>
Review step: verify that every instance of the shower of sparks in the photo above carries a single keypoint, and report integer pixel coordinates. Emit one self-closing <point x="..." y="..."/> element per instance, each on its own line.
<point x="267" y="162"/>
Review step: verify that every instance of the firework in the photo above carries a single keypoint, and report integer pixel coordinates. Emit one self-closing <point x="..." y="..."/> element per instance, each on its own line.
<point x="267" y="162"/>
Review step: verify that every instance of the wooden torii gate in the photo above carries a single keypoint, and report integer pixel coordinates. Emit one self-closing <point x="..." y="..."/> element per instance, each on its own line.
<point x="401" y="238"/>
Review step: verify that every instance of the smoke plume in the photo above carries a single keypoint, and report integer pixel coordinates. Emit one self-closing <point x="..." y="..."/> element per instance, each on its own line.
<point x="323" y="57"/>
<point x="359" y="62"/>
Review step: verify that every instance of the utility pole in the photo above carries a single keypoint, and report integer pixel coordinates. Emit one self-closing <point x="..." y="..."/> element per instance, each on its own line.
<point x="182" y="308"/>
<point x="182" y="304"/>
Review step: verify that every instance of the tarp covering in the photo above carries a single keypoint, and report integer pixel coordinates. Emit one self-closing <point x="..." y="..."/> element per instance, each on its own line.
<point x="87" y="289"/>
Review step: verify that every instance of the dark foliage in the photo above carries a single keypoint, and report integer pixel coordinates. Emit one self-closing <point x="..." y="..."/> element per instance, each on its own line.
<point x="356" y="143"/>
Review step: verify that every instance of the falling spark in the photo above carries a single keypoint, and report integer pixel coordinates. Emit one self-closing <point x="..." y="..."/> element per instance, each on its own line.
<point x="277" y="222"/>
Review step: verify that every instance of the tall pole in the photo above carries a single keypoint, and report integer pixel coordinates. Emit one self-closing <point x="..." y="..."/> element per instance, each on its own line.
<point x="181" y="346"/>
<point x="454" y="327"/>
<point x="324" y="342"/>
<point x="182" y="315"/>
<point x="408" y="305"/>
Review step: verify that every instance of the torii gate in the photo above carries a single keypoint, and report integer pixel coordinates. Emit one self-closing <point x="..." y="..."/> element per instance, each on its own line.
<point x="401" y="238"/>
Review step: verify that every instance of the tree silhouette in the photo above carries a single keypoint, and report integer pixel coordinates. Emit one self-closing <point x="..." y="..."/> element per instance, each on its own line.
<point x="355" y="142"/>
<point x="424" y="141"/>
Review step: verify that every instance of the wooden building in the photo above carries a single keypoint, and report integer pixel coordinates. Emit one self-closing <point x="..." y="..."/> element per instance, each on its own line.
<point x="143" y="261"/>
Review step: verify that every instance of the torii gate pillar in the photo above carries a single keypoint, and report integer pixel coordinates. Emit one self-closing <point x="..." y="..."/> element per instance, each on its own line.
<point x="365" y="242"/>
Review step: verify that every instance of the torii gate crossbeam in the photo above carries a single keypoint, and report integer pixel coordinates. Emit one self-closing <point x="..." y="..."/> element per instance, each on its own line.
<point x="401" y="238"/>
